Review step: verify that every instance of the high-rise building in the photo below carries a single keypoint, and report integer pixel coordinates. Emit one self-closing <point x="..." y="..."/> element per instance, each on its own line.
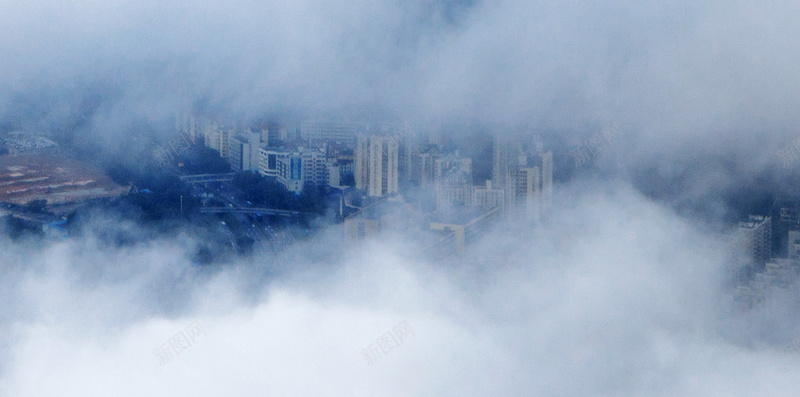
<point x="376" y="162"/>
<point x="217" y="137"/>
<point x="528" y="187"/>
<point x="408" y="147"/>
<point x="547" y="181"/>
<point x="525" y="172"/>
<point x="189" y="125"/>
<point x="505" y="155"/>
<point x="453" y="181"/>
<point x="755" y="240"/>
<point x="423" y="167"/>
<point x="794" y="244"/>
<point x="274" y="135"/>
<point x="244" y="151"/>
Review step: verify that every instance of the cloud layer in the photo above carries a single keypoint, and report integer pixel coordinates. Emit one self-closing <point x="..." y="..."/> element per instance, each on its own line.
<point x="617" y="297"/>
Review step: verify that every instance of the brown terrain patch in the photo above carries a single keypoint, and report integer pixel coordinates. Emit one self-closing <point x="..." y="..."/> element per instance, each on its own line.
<point x="57" y="179"/>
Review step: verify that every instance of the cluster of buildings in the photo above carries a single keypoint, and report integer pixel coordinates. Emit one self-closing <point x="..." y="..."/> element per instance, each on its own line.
<point x="757" y="269"/>
<point x="440" y="201"/>
<point x="391" y="178"/>
<point x="316" y="153"/>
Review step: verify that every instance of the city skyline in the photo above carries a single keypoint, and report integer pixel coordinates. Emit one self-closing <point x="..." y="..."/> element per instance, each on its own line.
<point x="417" y="198"/>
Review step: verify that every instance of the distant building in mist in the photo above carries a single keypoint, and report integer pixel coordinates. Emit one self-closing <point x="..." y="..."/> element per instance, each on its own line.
<point x="525" y="172"/>
<point x="276" y="135"/>
<point x="244" y="151"/>
<point x="331" y="131"/>
<point x="383" y="216"/>
<point x="488" y="197"/>
<point x="453" y="181"/>
<point x="794" y="245"/>
<point x="459" y="228"/>
<point x="216" y="137"/>
<point x="340" y="165"/>
<point x="422" y="166"/>
<point x="376" y="164"/>
<point x="547" y="180"/>
<point x="754" y="239"/>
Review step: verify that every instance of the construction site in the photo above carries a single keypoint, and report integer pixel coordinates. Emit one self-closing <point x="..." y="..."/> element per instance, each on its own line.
<point x="60" y="181"/>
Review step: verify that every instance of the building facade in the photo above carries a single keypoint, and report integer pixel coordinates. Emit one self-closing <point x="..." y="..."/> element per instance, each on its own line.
<point x="294" y="168"/>
<point x="525" y="172"/>
<point x="376" y="165"/>
<point x="244" y="151"/>
<point x="755" y="240"/>
<point x="331" y="131"/>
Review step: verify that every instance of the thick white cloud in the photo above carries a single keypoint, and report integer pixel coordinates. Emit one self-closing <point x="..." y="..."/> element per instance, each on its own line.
<point x="616" y="296"/>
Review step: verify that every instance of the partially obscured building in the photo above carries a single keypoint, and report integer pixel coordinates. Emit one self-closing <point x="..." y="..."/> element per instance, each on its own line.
<point x="754" y="240"/>
<point x="794" y="244"/>
<point x="423" y="167"/>
<point x="331" y="131"/>
<point x="488" y="197"/>
<point x="375" y="168"/>
<point x="547" y="182"/>
<point x="244" y="151"/>
<point x="217" y="137"/>
<point x="525" y="172"/>
<point x="378" y="218"/>
<point x="453" y="181"/>
<point x="459" y="228"/>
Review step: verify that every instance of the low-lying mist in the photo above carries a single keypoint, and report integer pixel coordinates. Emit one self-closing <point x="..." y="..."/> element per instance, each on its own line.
<point x="615" y="295"/>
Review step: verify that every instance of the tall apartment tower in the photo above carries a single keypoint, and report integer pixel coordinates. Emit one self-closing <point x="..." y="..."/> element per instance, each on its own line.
<point x="376" y="164"/>
<point x="217" y="137"/>
<point x="503" y="161"/>
<point x="408" y="149"/>
<point x="423" y="167"/>
<point x="526" y="175"/>
<point x="244" y="151"/>
<point x="794" y="245"/>
<point x="547" y="180"/>
<point x="755" y="239"/>
<point x="533" y="193"/>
